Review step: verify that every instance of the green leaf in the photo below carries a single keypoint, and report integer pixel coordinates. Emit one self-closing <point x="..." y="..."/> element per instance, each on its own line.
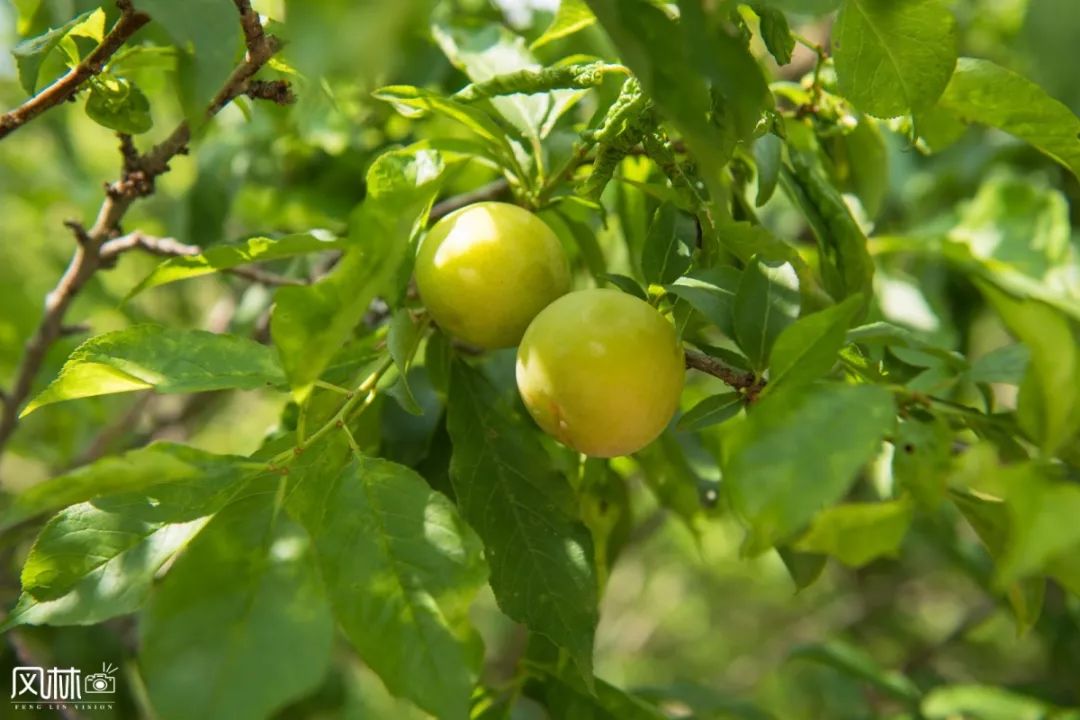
<point x="413" y="102"/>
<point x="1049" y="403"/>
<point x="983" y="702"/>
<point x="571" y="17"/>
<point x="165" y="360"/>
<point x="807" y="349"/>
<point x="240" y="626"/>
<point x="224" y="257"/>
<point x="311" y="323"/>
<point x="673" y="60"/>
<point x="1007" y="364"/>
<point x="542" y="569"/>
<point x="775" y="32"/>
<point x="1018" y="223"/>
<point x="804" y="568"/>
<point x="148" y="467"/>
<point x="799" y="451"/>
<point x="856" y="663"/>
<point x="845" y="262"/>
<point x="988" y="94"/>
<point x="118" y="104"/>
<point x="759" y="312"/>
<point x="711" y="411"/>
<point x="627" y="284"/>
<point x="401" y="569"/>
<point x="403" y="339"/>
<point x="858" y="533"/>
<point x="1042" y="522"/>
<point x="666" y="254"/>
<point x="93" y="561"/>
<point x="565" y="699"/>
<point x="487" y="51"/>
<point x="712" y="293"/>
<point x="861" y="164"/>
<point x="30" y="54"/>
<point x="892" y="57"/>
<point x="207" y="35"/>
<point x="923" y="450"/>
<point x="768" y="159"/>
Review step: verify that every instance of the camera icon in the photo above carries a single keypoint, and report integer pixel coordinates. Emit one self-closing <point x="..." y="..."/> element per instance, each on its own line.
<point x="99" y="683"/>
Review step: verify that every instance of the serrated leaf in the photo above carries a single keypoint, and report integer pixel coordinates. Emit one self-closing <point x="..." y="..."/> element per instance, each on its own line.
<point x="759" y="313"/>
<point x="30" y="54"/>
<point x="711" y="411"/>
<point x="892" y="57"/>
<point x="240" y="626"/>
<point x="808" y="348"/>
<point x="712" y="293"/>
<point x="542" y="568"/>
<point x="985" y="93"/>
<point x="96" y="560"/>
<point x="165" y="360"/>
<point x="858" y="533"/>
<point x="223" y="257"/>
<point x="310" y="324"/>
<point x="148" y="467"/>
<point x="118" y="104"/>
<point x="799" y="451"/>
<point x="571" y="17"/>
<point x="401" y="569"/>
<point x="666" y="255"/>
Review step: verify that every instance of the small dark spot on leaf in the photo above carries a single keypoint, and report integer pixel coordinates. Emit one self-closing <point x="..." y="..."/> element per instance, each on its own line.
<point x="909" y="448"/>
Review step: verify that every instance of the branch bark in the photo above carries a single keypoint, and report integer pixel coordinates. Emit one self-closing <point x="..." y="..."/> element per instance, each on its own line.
<point x="136" y="181"/>
<point x="737" y="379"/>
<point x="65" y="88"/>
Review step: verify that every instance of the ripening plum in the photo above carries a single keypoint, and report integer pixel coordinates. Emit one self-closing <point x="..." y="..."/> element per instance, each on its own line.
<point x="486" y="270"/>
<point x="601" y="371"/>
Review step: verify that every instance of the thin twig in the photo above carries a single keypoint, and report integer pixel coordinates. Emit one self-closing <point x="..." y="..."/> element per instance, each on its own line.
<point x="65" y="88"/>
<point x="170" y="247"/>
<point x="137" y="180"/>
<point x="492" y="191"/>
<point x="738" y="379"/>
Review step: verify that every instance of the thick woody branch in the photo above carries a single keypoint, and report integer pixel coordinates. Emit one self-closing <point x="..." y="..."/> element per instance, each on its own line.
<point x="137" y="180"/>
<point x="745" y="382"/>
<point x="65" y="88"/>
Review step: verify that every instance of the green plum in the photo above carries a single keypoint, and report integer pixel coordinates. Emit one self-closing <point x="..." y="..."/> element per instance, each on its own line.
<point x="601" y="371"/>
<point x="486" y="270"/>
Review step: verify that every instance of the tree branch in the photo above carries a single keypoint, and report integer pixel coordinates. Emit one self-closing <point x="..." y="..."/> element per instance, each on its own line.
<point x="170" y="247"/>
<point x="737" y="379"/>
<point x="492" y="191"/>
<point x="65" y="88"/>
<point x="137" y="180"/>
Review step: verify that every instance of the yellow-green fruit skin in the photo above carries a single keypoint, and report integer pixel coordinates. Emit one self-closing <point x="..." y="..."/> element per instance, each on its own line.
<point x="601" y="371"/>
<point x="486" y="270"/>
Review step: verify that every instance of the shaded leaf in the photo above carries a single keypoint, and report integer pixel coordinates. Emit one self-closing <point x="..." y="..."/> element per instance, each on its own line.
<point x="240" y="626"/>
<point x="759" y="313"/>
<point x="855" y="662"/>
<point x="572" y="16"/>
<point x="712" y="293"/>
<point x="799" y="451"/>
<point x="808" y="348"/>
<point x="666" y="254"/>
<point x="711" y="411"/>
<point x="377" y="526"/>
<point x="541" y="560"/>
